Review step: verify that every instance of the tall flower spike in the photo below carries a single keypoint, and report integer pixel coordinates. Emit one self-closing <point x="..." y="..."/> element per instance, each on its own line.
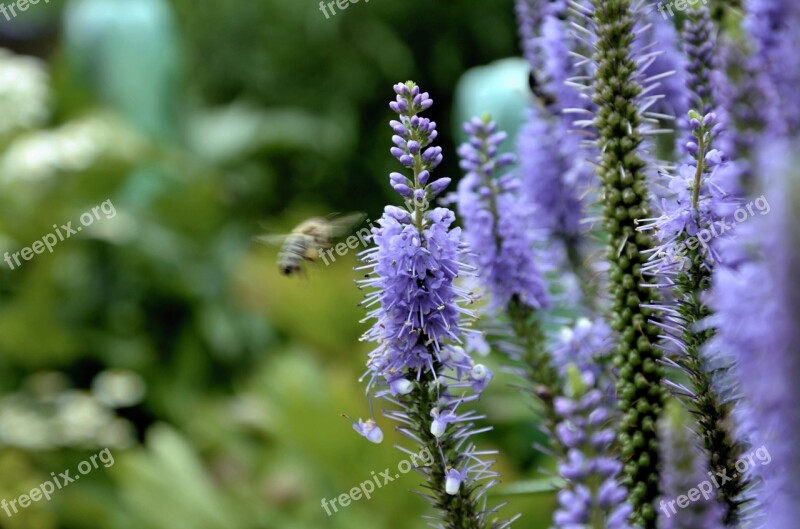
<point x="756" y="301"/>
<point x="497" y="227"/>
<point x="554" y="172"/>
<point x="699" y="38"/>
<point x="682" y="265"/>
<point x="625" y="202"/>
<point x="685" y="469"/>
<point x="743" y="102"/>
<point x="496" y="220"/>
<point x="592" y="497"/>
<point x="418" y="365"/>
<point x="773" y="28"/>
<point x="529" y="19"/>
<point x="699" y="45"/>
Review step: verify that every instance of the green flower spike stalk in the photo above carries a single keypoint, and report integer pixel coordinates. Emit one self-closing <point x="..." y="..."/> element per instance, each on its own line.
<point x="625" y="203"/>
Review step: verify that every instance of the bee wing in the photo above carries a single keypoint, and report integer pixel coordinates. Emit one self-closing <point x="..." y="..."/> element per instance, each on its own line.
<point x="341" y="224"/>
<point x="270" y="235"/>
<point x="270" y="240"/>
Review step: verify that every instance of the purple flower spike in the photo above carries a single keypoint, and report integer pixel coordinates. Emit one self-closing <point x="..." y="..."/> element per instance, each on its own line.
<point x="773" y="28"/>
<point x="757" y="313"/>
<point x="592" y="491"/>
<point x="495" y="220"/>
<point x="418" y="364"/>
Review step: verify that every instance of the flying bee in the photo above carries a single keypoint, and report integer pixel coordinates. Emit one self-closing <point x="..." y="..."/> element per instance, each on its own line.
<point x="309" y="239"/>
<point x="538" y="90"/>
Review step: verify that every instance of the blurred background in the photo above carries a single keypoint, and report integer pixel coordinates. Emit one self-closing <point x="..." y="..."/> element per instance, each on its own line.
<point x="162" y="332"/>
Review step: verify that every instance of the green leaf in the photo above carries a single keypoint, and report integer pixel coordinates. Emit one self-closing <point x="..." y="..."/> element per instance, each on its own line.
<point x="531" y="486"/>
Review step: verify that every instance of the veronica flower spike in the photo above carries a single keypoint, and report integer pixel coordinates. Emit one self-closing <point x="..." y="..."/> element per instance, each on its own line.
<point x="497" y="222"/>
<point x="622" y="171"/>
<point x="756" y="305"/>
<point x="699" y="46"/>
<point x="683" y="263"/>
<point x="592" y="498"/>
<point x="496" y="219"/>
<point x="419" y="366"/>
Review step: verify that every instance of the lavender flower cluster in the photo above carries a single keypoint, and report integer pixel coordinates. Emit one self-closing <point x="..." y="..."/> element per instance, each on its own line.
<point x="678" y="356"/>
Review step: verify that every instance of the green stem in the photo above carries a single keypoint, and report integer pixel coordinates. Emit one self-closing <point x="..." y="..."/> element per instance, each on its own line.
<point x="698" y="175"/>
<point x="537" y="364"/>
<point x="625" y="204"/>
<point x="459" y="511"/>
<point x="713" y="414"/>
<point x="418" y="208"/>
<point x="588" y="286"/>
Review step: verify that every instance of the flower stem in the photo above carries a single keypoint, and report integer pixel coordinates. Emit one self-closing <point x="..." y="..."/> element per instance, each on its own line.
<point x="625" y="197"/>
<point x="459" y="511"/>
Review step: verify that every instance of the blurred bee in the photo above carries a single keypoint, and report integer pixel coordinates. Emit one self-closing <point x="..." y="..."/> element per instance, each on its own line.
<point x="307" y="241"/>
<point x="538" y="90"/>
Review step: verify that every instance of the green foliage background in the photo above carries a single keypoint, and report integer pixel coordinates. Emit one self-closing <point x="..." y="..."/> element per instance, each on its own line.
<point x="216" y="117"/>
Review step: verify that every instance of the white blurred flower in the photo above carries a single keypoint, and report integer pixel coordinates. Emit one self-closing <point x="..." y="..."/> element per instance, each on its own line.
<point x="118" y="434"/>
<point x="74" y="146"/>
<point x="47" y="414"/>
<point x="22" y="427"/>
<point x="80" y="418"/>
<point x="118" y="388"/>
<point x="24" y="92"/>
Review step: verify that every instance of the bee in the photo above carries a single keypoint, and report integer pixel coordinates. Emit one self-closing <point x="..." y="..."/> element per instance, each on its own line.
<point x="538" y="90"/>
<point x="307" y="241"/>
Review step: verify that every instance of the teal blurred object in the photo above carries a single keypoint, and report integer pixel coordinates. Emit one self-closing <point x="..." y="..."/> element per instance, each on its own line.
<point x="500" y="89"/>
<point x="127" y="51"/>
